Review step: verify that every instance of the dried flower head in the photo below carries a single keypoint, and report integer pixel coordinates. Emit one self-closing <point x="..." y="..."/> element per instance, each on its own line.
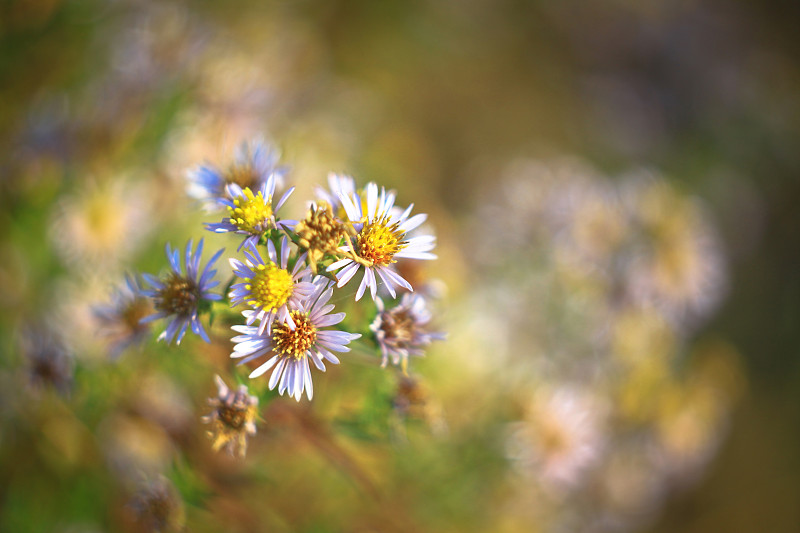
<point x="413" y="402"/>
<point x="47" y="361"/>
<point x="411" y="399"/>
<point x="157" y="507"/>
<point x="233" y="418"/>
<point x="320" y="233"/>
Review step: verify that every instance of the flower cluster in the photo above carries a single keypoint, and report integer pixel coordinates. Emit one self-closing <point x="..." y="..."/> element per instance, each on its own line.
<point x="617" y="405"/>
<point x="284" y="278"/>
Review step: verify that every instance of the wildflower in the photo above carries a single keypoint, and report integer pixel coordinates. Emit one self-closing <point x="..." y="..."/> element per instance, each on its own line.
<point x="629" y="484"/>
<point x="252" y="214"/>
<point x="120" y="320"/>
<point x="596" y="224"/>
<point x="181" y="295"/>
<point x="680" y="268"/>
<point x="157" y="507"/>
<point x="690" y="426"/>
<point x="403" y="330"/>
<point x="254" y="163"/>
<point x="268" y="286"/>
<point x="47" y="360"/>
<point x="290" y="348"/>
<point x="101" y="225"/>
<point x="413" y="401"/>
<point x="411" y="398"/>
<point x="561" y="438"/>
<point x="233" y="418"/>
<point x="320" y="233"/>
<point x="381" y="236"/>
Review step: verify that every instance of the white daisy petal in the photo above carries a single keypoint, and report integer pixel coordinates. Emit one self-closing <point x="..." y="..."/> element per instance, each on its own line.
<point x="286" y="377"/>
<point x="299" y="378"/>
<point x="273" y="380"/>
<point x="263" y="368"/>
<point x="347" y="273"/>
<point x="309" y="382"/>
<point x="353" y="212"/>
<point x="363" y="285"/>
<point x="386" y="282"/>
<point x="413" y="222"/>
<point x="372" y="200"/>
<point x="317" y="361"/>
<point x="373" y="283"/>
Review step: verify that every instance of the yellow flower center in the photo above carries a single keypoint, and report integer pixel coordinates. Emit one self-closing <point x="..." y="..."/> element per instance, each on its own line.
<point x="270" y="287"/>
<point x="179" y="295"/>
<point x="251" y="212"/>
<point x="294" y="342"/>
<point x="378" y="241"/>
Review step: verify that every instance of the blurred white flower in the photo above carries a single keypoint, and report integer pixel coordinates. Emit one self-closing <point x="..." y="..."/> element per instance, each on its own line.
<point x="677" y="264"/>
<point x="562" y="437"/>
<point x="102" y="225"/>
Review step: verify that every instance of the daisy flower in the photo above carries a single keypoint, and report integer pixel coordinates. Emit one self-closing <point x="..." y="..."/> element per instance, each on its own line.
<point x="678" y="266"/>
<point x="403" y="330"/>
<point x="48" y="362"/>
<point x="120" y="320"/>
<point x="252" y="214"/>
<point x="268" y="286"/>
<point x="290" y="348"/>
<point x="253" y="164"/>
<point x="233" y="418"/>
<point x="180" y="294"/>
<point x="381" y="238"/>
<point x="562" y="438"/>
<point x="156" y="506"/>
<point x="102" y="225"/>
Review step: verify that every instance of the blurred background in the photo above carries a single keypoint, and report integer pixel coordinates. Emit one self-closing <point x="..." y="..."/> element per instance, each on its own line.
<point x="613" y="186"/>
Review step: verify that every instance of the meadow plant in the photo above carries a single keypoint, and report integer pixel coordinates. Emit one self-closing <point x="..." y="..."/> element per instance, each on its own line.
<point x="287" y="274"/>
